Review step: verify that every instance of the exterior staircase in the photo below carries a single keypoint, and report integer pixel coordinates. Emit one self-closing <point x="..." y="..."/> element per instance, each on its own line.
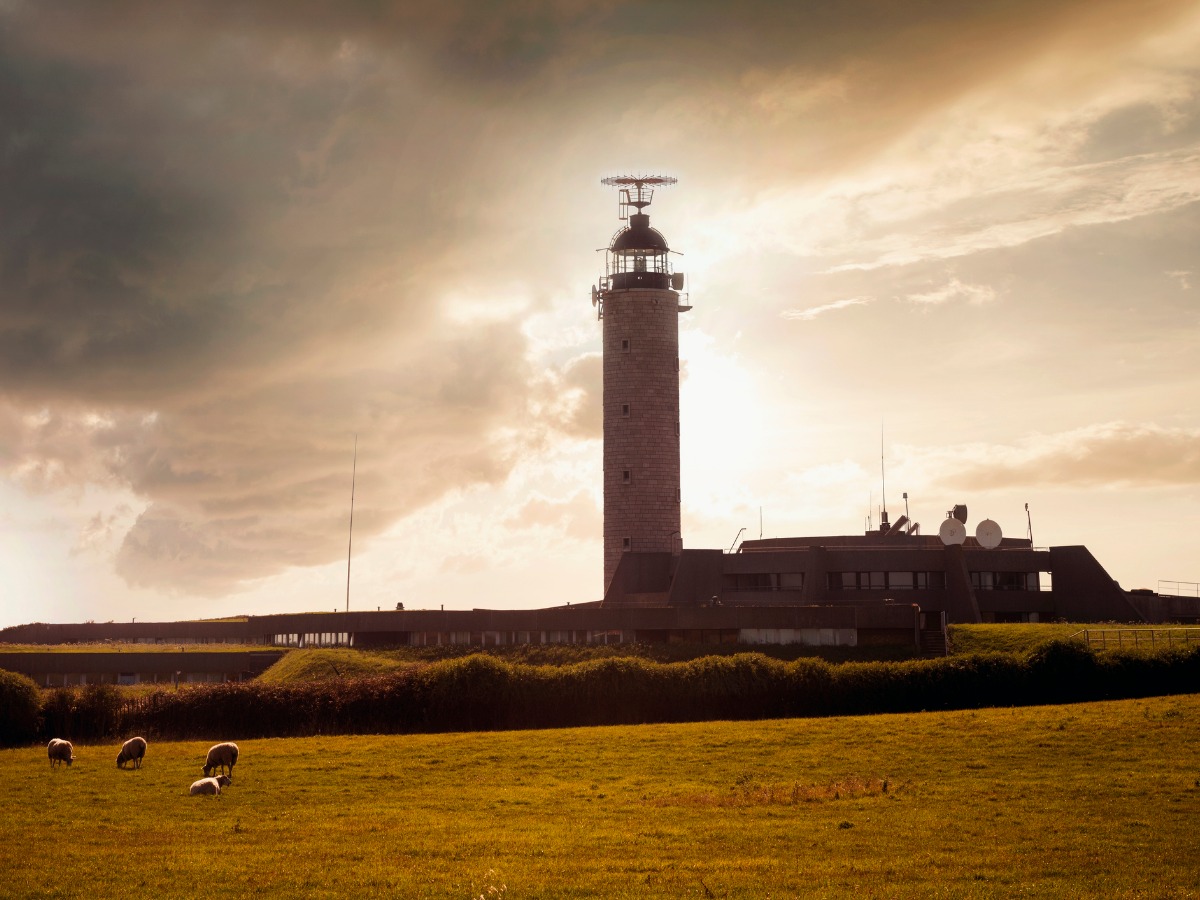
<point x="934" y="643"/>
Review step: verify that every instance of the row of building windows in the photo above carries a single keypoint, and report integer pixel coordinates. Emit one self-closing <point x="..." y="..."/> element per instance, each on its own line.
<point x="935" y="581"/>
<point x="763" y="581"/>
<point x="1005" y="581"/>
<point x="507" y="638"/>
<point x="887" y="581"/>
<point x="313" y="639"/>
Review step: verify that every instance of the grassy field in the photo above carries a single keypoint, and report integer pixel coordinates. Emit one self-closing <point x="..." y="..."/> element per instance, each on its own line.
<point x="1088" y="800"/>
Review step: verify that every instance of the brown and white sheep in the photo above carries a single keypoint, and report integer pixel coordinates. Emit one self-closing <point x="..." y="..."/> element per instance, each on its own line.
<point x="60" y="751"/>
<point x="132" y="751"/>
<point x="221" y="756"/>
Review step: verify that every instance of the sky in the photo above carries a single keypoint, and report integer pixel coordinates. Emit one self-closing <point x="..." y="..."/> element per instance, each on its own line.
<point x="256" y="256"/>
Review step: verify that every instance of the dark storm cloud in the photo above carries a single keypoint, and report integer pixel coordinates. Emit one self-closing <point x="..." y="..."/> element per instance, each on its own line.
<point x="227" y="230"/>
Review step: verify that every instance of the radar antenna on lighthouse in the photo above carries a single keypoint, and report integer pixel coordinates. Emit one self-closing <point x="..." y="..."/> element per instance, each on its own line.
<point x="637" y="257"/>
<point x="636" y="190"/>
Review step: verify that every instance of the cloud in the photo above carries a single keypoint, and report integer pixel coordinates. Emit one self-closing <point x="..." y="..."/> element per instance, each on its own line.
<point x="976" y="294"/>
<point x="235" y="237"/>
<point x="1183" y="276"/>
<point x="576" y="517"/>
<point x="1111" y="455"/>
<point x="807" y="315"/>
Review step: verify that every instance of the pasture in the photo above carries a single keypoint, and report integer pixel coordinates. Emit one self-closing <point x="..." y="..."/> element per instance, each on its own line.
<point x="1098" y="799"/>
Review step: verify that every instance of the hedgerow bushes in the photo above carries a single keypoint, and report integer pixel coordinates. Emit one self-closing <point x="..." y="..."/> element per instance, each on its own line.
<point x="482" y="692"/>
<point x="20" y="710"/>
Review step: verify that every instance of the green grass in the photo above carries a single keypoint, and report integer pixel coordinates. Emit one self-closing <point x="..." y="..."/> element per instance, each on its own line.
<point x="329" y="664"/>
<point x="1009" y="637"/>
<point x="1089" y="800"/>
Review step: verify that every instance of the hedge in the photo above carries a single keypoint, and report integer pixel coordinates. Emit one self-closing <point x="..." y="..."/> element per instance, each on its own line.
<point x="482" y="692"/>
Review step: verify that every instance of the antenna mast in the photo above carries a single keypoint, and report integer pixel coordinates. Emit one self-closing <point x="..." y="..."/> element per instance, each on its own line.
<point x="883" y="517"/>
<point x="350" y="544"/>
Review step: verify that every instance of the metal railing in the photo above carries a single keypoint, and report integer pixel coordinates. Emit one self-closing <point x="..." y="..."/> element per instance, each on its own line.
<point x="1118" y="638"/>
<point x="1179" y="588"/>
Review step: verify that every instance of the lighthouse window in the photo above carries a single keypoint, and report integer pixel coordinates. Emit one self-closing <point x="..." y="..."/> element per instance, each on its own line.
<point x="624" y="409"/>
<point x="626" y="543"/>
<point x="625" y="345"/>
<point x="627" y="476"/>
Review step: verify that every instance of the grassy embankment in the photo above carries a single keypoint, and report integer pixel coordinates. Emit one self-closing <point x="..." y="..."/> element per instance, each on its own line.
<point x="1093" y="799"/>
<point x="1011" y="637"/>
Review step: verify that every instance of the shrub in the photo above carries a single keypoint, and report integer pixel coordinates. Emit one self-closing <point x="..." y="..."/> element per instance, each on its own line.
<point x="20" y="709"/>
<point x="1063" y="671"/>
<point x="482" y="692"/>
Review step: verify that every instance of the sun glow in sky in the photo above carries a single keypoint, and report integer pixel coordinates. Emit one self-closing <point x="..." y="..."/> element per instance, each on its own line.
<point x="233" y="238"/>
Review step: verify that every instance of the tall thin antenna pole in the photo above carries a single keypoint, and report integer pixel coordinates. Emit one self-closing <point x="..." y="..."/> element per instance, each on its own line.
<point x="882" y="473"/>
<point x="350" y="544"/>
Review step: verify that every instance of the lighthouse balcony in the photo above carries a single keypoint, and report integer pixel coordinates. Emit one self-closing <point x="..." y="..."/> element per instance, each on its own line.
<point x="619" y="281"/>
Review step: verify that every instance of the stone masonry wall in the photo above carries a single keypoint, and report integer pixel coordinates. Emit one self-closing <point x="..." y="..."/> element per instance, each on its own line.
<point x="641" y="423"/>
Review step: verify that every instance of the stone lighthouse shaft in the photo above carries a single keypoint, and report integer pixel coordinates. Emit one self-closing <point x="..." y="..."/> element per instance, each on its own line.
<point x="638" y="302"/>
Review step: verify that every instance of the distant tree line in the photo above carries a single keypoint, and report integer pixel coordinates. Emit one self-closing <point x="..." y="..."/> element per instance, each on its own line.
<point x="482" y="692"/>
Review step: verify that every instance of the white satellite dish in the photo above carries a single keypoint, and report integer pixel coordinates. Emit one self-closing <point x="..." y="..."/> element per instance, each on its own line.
<point x="952" y="532"/>
<point x="595" y="295"/>
<point x="988" y="534"/>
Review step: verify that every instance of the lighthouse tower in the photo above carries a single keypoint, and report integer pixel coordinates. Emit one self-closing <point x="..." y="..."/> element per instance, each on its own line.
<point x="638" y="302"/>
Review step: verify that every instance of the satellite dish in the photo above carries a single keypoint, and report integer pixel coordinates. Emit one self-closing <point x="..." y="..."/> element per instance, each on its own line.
<point x="988" y="534"/>
<point x="595" y="295"/>
<point x="960" y="512"/>
<point x="952" y="532"/>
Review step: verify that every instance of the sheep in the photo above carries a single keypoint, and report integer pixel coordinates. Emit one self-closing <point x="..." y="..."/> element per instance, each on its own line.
<point x="132" y="751"/>
<point x="205" y="786"/>
<point x="60" y="751"/>
<point x="221" y="756"/>
<point x="210" y="785"/>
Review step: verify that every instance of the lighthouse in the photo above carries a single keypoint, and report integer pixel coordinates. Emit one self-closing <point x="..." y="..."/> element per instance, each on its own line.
<point x="638" y="303"/>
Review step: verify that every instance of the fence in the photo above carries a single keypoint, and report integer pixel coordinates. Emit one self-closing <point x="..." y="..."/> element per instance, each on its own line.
<point x="1179" y="588"/>
<point x="1120" y="638"/>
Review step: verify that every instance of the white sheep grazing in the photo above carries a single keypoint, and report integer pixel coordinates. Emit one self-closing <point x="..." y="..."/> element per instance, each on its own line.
<point x="221" y="756"/>
<point x="205" y="786"/>
<point x="132" y="751"/>
<point x="60" y="751"/>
